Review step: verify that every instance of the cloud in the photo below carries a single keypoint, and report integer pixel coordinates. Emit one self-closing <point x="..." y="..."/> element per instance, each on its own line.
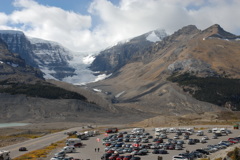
<point x="107" y="22"/>
<point x="3" y="18"/>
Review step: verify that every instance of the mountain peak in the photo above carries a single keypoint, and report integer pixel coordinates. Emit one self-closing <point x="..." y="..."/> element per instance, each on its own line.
<point x="217" y="31"/>
<point x="188" y="29"/>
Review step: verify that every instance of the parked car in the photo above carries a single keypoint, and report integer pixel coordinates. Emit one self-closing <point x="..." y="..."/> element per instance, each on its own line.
<point x="69" y="158"/>
<point x="22" y="149"/>
<point x="113" y="156"/>
<point x="203" y="141"/>
<point x="179" y="158"/>
<point x="111" y="130"/>
<point x="120" y="158"/>
<point x="135" y="158"/>
<point x="106" y="156"/>
<point x="214" y="137"/>
<point x="69" y="149"/>
<point x="56" y="158"/>
<point x="178" y="147"/>
<point x="60" y="154"/>
<point x="78" y="145"/>
<point x="202" y="151"/>
<point x="127" y="157"/>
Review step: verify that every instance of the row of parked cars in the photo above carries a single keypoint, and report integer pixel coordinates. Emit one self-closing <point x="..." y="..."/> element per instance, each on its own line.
<point x="203" y="152"/>
<point x="73" y="143"/>
<point x="124" y="146"/>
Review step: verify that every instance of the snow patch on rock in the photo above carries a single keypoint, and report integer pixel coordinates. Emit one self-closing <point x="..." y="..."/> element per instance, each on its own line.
<point x="153" y="37"/>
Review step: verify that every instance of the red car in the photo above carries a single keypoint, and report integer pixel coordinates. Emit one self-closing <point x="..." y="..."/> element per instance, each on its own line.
<point x="128" y="157"/>
<point x="120" y="158"/>
<point x="107" y="144"/>
<point x="110" y="151"/>
<point x="232" y="140"/>
<point x="159" y="141"/>
<point x="111" y="130"/>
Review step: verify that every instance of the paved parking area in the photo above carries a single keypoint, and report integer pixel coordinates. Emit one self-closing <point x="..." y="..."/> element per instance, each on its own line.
<point x="88" y="150"/>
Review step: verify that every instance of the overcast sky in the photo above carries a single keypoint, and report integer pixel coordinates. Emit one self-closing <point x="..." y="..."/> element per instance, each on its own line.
<point x="91" y="25"/>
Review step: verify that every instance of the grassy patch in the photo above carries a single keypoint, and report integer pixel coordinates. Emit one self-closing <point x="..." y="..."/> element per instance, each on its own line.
<point x="41" y="153"/>
<point x="216" y="90"/>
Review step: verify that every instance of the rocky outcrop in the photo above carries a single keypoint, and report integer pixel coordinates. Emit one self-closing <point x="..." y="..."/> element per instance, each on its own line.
<point x="52" y="58"/>
<point x="14" y="69"/>
<point x="112" y="59"/>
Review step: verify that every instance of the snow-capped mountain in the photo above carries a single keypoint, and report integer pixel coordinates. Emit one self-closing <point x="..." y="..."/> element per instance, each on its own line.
<point x="54" y="60"/>
<point x="60" y="63"/>
<point x="115" y="57"/>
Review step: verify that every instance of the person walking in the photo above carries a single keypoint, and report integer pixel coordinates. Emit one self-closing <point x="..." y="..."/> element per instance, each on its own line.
<point x="98" y="149"/>
<point x="95" y="149"/>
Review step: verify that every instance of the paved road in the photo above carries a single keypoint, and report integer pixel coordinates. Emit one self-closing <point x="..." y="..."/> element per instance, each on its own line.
<point x="35" y="144"/>
<point x="88" y="150"/>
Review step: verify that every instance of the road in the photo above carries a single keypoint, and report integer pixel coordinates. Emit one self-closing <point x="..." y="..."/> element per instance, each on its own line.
<point x="88" y="150"/>
<point x="37" y="143"/>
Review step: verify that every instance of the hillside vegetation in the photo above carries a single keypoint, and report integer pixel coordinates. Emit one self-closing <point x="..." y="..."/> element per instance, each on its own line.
<point x="43" y="90"/>
<point x="217" y="90"/>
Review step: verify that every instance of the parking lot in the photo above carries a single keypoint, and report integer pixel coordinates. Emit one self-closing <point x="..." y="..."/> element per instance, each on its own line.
<point x="87" y="151"/>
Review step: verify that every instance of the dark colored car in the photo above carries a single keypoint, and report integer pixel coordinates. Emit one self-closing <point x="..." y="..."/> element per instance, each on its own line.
<point x="120" y="158"/>
<point x="106" y="156"/>
<point x="127" y="157"/>
<point x="141" y="153"/>
<point x="162" y="151"/>
<point x="155" y="151"/>
<point x="196" y="140"/>
<point x="202" y="151"/>
<point x="77" y="145"/>
<point x="69" y="158"/>
<point x="113" y="156"/>
<point x="135" y="158"/>
<point x="159" y="140"/>
<point x="22" y="149"/>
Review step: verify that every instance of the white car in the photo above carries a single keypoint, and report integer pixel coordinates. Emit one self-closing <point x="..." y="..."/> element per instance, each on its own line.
<point x="205" y="138"/>
<point x="55" y="158"/>
<point x="60" y="154"/>
<point x="179" y="158"/>
<point x="69" y="149"/>
<point x="203" y="141"/>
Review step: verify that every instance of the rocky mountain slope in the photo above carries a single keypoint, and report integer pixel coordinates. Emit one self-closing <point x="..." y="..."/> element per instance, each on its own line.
<point x="143" y="82"/>
<point x="52" y="58"/>
<point x="113" y="58"/>
<point x="14" y="69"/>
<point x="26" y="96"/>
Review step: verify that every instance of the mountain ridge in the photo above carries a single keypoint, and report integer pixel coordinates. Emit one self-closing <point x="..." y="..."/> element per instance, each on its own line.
<point x="143" y="84"/>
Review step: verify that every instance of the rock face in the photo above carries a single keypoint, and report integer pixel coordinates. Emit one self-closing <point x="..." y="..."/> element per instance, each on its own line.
<point x="50" y="57"/>
<point x="14" y="69"/>
<point x="141" y="81"/>
<point x="117" y="56"/>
